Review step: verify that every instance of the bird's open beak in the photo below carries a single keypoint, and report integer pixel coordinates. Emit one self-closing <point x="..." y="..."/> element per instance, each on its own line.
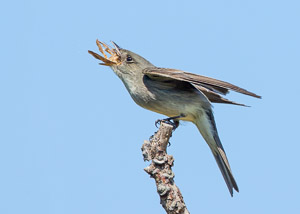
<point x="114" y="59"/>
<point x="117" y="48"/>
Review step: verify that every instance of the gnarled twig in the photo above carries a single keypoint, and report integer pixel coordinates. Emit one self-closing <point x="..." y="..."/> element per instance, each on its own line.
<point x="160" y="169"/>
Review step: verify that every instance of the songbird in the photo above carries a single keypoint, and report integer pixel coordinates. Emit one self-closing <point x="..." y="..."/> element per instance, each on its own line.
<point x="177" y="94"/>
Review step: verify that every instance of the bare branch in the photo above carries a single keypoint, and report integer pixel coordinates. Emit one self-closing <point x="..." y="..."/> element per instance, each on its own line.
<point x="160" y="169"/>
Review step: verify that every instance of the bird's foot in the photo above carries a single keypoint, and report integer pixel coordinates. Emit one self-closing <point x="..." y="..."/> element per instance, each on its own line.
<point x="173" y="121"/>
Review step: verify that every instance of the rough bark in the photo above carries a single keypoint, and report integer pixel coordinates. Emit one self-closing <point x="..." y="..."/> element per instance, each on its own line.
<point x="160" y="169"/>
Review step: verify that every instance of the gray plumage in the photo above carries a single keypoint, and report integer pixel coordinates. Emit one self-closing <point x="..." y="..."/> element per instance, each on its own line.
<point x="172" y="93"/>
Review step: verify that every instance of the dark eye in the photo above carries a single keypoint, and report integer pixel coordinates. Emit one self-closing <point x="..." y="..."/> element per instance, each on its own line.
<point x="129" y="59"/>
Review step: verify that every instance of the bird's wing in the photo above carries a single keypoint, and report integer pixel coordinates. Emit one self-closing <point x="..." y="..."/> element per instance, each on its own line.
<point x="215" y="97"/>
<point x="209" y="86"/>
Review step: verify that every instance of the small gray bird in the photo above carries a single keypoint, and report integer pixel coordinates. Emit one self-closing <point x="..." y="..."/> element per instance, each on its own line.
<point x="177" y="94"/>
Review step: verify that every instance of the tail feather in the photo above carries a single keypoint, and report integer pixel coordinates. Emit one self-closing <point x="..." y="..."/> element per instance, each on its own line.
<point x="226" y="171"/>
<point x="207" y="127"/>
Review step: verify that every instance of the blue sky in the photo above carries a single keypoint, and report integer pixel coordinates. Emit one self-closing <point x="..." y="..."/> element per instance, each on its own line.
<point x="71" y="135"/>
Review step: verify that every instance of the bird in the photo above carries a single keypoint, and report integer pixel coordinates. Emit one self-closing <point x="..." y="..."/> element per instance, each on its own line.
<point x="178" y="94"/>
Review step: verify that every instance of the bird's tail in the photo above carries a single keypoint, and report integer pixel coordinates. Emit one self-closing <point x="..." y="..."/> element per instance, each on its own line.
<point x="207" y="127"/>
<point x="223" y="164"/>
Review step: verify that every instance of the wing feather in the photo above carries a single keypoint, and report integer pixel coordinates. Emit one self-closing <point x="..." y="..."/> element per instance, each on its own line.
<point x="213" y="85"/>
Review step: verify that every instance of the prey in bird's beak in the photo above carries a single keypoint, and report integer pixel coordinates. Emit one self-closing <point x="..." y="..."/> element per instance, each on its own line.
<point x="114" y="59"/>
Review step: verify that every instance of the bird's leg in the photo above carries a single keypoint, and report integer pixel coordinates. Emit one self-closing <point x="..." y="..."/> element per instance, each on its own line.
<point x="173" y="121"/>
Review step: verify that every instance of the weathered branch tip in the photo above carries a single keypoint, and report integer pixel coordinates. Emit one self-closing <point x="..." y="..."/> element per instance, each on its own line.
<point x="161" y="170"/>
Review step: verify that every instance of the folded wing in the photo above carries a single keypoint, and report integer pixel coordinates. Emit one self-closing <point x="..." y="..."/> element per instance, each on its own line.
<point x="212" y="88"/>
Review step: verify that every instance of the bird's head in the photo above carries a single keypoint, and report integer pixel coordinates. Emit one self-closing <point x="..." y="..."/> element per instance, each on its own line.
<point x="123" y="62"/>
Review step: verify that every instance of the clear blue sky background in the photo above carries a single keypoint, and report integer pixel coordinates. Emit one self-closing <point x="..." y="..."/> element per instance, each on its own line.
<point x="71" y="135"/>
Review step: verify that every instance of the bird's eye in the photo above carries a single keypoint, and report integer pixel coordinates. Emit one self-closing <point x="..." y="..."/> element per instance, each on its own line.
<point x="129" y="59"/>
